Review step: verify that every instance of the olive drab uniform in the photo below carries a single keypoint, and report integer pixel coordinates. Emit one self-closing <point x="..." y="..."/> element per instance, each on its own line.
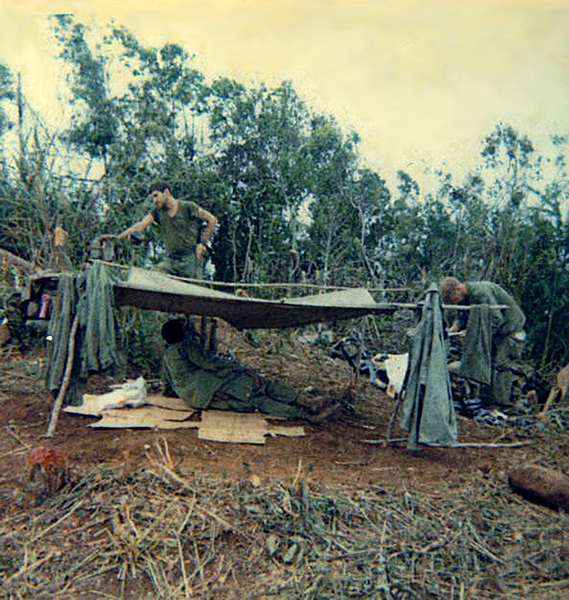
<point x="507" y="329"/>
<point x="206" y="380"/>
<point x="181" y="235"/>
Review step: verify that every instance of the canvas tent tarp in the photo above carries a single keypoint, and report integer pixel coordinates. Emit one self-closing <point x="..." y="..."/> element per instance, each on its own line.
<point x="156" y="291"/>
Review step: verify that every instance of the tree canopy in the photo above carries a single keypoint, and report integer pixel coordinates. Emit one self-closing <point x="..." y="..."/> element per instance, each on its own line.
<point x="281" y="178"/>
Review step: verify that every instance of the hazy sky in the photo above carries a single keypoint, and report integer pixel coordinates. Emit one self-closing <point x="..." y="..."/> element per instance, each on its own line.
<point x="419" y="80"/>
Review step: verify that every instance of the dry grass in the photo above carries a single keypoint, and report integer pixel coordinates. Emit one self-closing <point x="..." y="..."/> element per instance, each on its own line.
<point x="162" y="533"/>
<point x="114" y="533"/>
<point x="19" y="373"/>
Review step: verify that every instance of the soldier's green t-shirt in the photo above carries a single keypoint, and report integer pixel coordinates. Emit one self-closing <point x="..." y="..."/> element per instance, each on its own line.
<point x="180" y="232"/>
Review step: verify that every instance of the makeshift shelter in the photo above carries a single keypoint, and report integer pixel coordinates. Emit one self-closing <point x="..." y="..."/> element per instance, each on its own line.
<point x="157" y="291"/>
<point x="82" y="328"/>
<point x="427" y="411"/>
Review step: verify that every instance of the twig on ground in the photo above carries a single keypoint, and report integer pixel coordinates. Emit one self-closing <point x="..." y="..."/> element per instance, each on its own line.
<point x="17" y="438"/>
<point x="456" y="445"/>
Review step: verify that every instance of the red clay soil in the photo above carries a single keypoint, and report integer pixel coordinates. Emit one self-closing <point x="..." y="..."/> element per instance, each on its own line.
<point x="332" y="453"/>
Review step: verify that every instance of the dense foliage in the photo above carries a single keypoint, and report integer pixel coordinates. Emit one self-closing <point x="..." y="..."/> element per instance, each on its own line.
<point x="280" y="178"/>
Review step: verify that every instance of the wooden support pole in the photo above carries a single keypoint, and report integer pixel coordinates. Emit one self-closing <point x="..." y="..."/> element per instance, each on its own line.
<point x="398" y="402"/>
<point x="66" y="378"/>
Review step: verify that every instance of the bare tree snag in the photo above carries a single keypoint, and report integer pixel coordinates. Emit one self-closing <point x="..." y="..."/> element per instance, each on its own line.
<point x="9" y="259"/>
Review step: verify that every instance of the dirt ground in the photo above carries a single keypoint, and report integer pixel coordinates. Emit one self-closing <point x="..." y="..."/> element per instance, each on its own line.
<point x="335" y="452"/>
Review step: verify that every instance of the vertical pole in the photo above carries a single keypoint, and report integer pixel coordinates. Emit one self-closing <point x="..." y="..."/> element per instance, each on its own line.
<point x="66" y="378"/>
<point x="20" y="104"/>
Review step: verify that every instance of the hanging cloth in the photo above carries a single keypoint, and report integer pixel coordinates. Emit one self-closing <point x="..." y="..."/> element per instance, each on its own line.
<point x="90" y="295"/>
<point x="476" y="361"/>
<point x="427" y="411"/>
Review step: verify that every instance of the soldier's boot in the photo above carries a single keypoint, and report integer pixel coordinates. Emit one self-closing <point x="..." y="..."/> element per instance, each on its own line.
<point x="320" y="416"/>
<point x="313" y="404"/>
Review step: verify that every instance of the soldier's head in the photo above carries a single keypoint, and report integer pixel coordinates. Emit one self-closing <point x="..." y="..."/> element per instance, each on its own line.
<point x="176" y="330"/>
<point x="173" y="331"/>
<point x="452" y="290"/>
<point x="161" y="192"/>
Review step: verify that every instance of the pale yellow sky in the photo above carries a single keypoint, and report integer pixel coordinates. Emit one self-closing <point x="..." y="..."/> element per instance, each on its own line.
<point x="419" y="80"/>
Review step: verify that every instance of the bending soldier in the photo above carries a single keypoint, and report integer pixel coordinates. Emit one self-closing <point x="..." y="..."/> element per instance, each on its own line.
<point x="180" y="225"/>
<point x="507" y="328"/>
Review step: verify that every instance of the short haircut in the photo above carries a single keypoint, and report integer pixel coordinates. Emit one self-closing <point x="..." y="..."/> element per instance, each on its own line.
<point x="447" y="286"/>
<point x="160" y="186"/>
<point x="173" y="331"/>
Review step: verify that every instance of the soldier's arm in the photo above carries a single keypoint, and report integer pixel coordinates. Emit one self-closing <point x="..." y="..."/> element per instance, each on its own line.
<point x="139" y="226"/>
<point x="210" y="221"/>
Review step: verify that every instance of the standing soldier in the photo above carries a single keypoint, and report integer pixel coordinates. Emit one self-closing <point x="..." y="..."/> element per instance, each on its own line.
<point x="180" y="224"/>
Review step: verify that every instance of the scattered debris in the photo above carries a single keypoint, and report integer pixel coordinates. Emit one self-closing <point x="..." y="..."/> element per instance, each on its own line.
<point x="475" y="409"/>
<point x="48" y="473"/>
<point x="352" y="350"/>
<point x="163" y="533"/>
<point x="542" y="485"/>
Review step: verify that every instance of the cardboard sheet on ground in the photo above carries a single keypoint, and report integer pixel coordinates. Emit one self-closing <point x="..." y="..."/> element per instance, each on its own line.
<point x="252" y="428"/>
<point x="94" y="405"/>
<point x="152" y="417"/>
<point x="157" y="291"/>
<point x="161" y="412"/>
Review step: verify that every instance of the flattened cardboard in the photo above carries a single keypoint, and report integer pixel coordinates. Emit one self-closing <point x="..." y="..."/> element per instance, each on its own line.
<point x="162" y="412"/>
<point x="152" y="417"/>
<point x="241" y="428"/>
<point x="94" y="405"/>
<point x="226" y="426"/>
<point x="171" y="403"/>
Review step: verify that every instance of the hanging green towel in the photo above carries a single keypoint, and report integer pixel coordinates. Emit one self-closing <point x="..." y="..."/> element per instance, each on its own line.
<point x="476" y="362"/>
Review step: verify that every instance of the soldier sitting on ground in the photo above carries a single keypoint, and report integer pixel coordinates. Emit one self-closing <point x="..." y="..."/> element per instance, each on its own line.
<point x="205" y="380"/>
